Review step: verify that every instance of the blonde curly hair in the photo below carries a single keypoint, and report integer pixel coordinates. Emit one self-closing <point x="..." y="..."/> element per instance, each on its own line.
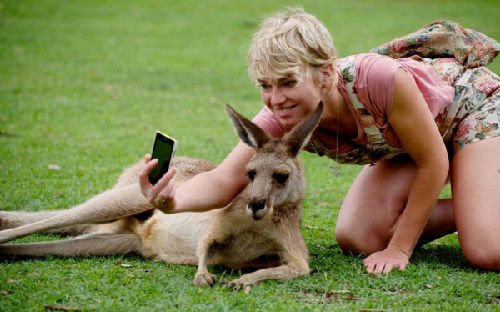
<point x="289" y="43"/>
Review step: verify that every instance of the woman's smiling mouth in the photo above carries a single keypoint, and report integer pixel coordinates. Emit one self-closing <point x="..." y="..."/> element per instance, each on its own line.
<point x="283" y="112"/>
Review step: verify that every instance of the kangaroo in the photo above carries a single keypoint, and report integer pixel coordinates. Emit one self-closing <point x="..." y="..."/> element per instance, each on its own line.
<point x="259" y="229"/>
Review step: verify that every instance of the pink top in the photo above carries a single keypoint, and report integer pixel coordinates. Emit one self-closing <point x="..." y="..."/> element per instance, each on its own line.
<point x="374" y="85"/>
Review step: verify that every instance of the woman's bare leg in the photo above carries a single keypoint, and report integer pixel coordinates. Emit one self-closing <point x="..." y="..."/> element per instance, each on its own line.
<point x="476" y="202"/>
<point x="441" y="222"/>
<point x="374" y="203"/>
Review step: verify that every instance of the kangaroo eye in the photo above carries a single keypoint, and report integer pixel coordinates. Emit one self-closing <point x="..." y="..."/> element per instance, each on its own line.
<point x="251" y="174"/>
<point x="281" y="178"/>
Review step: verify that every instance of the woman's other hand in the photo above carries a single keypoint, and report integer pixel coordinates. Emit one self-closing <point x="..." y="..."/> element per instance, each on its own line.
<point x="386" y="260"/>
<point x="161" y="195"/>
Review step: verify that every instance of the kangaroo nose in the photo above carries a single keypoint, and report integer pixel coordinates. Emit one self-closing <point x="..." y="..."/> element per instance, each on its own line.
<point x="256" y="205"/>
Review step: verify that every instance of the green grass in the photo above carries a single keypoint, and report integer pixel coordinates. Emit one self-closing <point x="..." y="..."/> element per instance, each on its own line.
<point x="84" y="84"/>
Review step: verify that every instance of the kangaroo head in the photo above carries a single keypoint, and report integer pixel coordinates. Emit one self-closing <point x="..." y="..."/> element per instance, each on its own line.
<point x="275" y="173"/>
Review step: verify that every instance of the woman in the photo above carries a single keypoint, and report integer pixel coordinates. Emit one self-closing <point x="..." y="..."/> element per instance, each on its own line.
<point x="412" y="126"/>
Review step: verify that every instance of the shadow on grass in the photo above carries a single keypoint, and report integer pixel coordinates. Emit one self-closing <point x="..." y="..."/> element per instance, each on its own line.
<point x="449" y="255"/>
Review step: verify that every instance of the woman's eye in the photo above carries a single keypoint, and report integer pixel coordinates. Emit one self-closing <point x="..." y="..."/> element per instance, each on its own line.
<point x="290" y="83"/>
<point x="264" y="86"/>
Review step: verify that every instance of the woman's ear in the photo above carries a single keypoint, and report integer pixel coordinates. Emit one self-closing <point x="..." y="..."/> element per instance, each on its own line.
<point x="328" y="78"/>
<point x="326" y="74"/>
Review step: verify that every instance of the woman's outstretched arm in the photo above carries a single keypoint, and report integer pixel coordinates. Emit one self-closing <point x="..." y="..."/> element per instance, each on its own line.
<point x="207" y="190"/>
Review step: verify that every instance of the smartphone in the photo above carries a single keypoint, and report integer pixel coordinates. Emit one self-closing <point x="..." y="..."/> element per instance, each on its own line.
<point x="163" y="150"/>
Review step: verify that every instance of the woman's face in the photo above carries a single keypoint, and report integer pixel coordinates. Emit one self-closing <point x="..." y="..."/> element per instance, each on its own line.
<point x="289" y="100"/>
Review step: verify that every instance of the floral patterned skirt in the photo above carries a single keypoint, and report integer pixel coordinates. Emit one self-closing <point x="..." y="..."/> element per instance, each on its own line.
<point x="459" y="56"/>
<point x="475" y="112"/>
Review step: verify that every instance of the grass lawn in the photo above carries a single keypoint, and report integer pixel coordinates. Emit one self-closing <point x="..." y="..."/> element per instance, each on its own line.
<point x="83" y="86"/>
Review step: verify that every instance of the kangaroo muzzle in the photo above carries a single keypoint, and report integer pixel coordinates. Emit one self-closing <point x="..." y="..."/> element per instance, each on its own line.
<point x="257" y="208"/>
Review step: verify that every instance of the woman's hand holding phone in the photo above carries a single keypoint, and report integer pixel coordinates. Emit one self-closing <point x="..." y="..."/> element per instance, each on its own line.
<point x="161" y="195"/>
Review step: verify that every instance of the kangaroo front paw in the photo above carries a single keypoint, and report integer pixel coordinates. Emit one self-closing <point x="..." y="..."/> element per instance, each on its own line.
<point x="204" y="279"/>
<point x="239" y="283"/>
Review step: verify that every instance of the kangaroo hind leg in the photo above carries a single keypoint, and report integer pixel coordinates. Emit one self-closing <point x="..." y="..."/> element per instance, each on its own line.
<point x="108" y="206"/>
<point x="88" y="245"/>
<point x="13" y="219"/>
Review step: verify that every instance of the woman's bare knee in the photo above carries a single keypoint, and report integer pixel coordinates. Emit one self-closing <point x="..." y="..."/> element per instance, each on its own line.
<point x="486" y="258"/>
<point x="476" y="202"/>
<point x="373" y="205"/>
<point x="359" y="239"/>
<point x="345" y="240"/>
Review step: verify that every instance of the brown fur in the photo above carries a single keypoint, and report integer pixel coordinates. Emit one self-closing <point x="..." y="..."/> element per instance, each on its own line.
<point x="265" y="236"/>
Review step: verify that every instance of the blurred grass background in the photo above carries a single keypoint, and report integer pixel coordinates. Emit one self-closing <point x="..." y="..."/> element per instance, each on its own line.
<point x="83" y="86"/>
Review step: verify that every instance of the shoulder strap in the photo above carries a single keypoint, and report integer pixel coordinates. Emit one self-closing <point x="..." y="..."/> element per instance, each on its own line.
<point x="348" y="70"/>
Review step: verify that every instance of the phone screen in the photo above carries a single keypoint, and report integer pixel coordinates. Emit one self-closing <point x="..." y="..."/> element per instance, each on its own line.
<point x="163" y="150"/>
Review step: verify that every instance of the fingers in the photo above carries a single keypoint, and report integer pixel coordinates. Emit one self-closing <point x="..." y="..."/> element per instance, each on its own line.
<point x="161" y="195"/>
<point x="370" y="265"/>
<point x="380" y="267"/>
<point x="165" y="187"/>
<point x="163" y="183"/>
<point x="149" y="190"/>
<point x="389" y="267"/>
<point x="377" y="264"/>
<point x="402" y="266"/>
<point x="166" y="198"/>
<point x="144" y="182"/>
<point x="144" y="173"/>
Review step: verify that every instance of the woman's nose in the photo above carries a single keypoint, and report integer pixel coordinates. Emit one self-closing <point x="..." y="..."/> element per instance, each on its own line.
<point x="277" y="96"/>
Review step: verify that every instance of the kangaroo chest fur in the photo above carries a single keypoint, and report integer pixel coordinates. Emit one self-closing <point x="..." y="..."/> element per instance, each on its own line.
<point x="244" y="248"/>
<point x="235" y="240"/>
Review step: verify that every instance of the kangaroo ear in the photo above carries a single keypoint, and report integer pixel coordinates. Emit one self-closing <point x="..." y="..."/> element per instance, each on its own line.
<point x="248" y="132"/>
<point x="298" y="137"/>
